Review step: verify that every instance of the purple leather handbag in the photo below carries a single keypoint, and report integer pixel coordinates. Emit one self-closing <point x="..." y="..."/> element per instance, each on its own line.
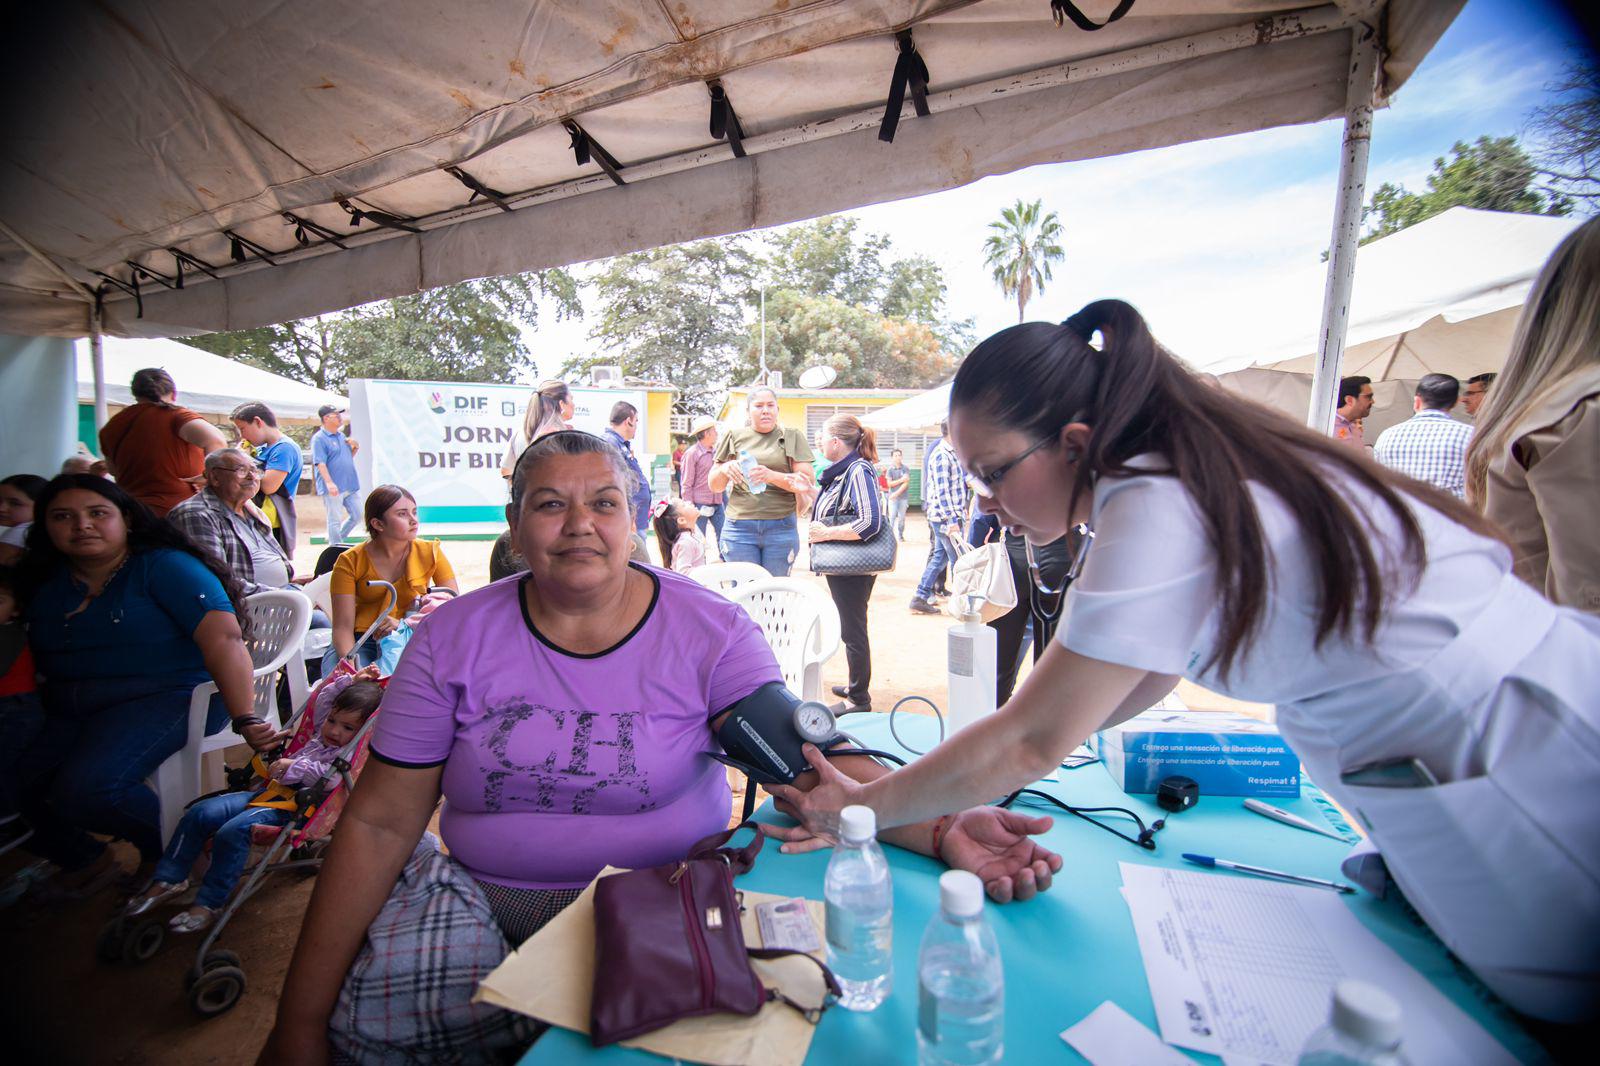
<point x="669" y="945"/>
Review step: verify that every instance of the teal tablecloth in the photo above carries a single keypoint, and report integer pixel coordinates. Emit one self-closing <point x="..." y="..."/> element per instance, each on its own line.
<point x="1072" y="948"/>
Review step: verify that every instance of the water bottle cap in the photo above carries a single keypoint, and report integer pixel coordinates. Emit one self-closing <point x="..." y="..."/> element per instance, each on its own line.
<point x="858" y="824"/>
<point x="960" y="893"/>
<point x="1366" y="1012"/>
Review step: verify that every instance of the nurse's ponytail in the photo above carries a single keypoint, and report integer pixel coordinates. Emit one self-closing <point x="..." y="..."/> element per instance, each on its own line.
<point x="1138" y="400"/>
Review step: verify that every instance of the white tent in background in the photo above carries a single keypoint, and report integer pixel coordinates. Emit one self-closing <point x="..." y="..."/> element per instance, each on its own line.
<point x="207" y="383"/>
<point x="923" y="411"/>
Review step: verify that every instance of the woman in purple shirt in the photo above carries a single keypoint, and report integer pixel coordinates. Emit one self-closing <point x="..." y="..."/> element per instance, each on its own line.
<point x="566" y="716"/>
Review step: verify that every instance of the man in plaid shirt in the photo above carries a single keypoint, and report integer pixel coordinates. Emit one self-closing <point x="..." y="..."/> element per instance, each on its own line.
<point x="223" y="522"/>
<point x="944" y="502"/>
<point x="1430" y="445"/>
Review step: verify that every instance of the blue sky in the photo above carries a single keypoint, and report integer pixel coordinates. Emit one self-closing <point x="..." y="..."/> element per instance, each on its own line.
<point x="1181" y="231"/>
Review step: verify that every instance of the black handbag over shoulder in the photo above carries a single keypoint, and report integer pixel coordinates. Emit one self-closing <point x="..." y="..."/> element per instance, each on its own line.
<point x="842" y="558"/>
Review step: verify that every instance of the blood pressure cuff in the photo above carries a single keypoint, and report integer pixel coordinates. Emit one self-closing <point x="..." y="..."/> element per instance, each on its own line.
<point x="760" y="738"/>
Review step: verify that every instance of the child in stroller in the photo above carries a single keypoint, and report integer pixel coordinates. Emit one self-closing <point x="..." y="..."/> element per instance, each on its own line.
<point x="343" y="705"/>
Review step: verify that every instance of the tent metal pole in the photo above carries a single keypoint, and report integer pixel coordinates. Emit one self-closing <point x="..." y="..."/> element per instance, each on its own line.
<point x="1359" y="92"/>
<point x="97" y="357"/>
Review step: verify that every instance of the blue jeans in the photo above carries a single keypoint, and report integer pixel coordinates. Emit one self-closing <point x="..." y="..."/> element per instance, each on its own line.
<point x="897" y="514"/>
<point x="715" y="520"/>
<point x="226" y="821"/>
<point x="366" y="655"/>
<point x="344" y="513"/>
<point x="771" y="543"/>
<point x="942" y="555"/>
<point x="86" y="772"/>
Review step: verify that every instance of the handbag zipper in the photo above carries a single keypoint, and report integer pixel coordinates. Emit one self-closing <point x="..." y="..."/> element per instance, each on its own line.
<point x="702" y="955"/>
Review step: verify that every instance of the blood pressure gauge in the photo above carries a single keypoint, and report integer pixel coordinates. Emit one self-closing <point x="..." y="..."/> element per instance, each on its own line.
<point x="814" y="722"/>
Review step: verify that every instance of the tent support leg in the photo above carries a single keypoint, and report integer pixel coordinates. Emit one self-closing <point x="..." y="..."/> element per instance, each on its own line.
<point x="97" y="356"/>
<point x="1359" y="92"/>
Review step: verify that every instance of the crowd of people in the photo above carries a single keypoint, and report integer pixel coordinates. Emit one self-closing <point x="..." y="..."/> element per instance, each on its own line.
<point x="1429" y="595"/>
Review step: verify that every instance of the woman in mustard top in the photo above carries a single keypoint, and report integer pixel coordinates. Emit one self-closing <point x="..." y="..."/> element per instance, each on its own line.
<point x="392" y="554"/>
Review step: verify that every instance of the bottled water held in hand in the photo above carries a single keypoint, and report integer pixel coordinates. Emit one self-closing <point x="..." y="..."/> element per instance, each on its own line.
<point x="860" y="903"/>
<point x="1363" y="1030"/>
<point x="960" y="987"/>
<point x="747" y="463"/>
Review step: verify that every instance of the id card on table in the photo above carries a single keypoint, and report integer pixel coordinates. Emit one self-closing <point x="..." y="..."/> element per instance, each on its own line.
<point x="787" y="923"/>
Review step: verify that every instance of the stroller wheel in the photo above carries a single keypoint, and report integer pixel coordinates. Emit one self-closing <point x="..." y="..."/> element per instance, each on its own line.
<point x="217" y="991"/>
<point x="141" y="941"/>
<point x="214" y="960"/>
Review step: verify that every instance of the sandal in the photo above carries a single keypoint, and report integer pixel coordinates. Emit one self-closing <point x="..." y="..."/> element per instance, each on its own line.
<point x="157" y="894"/>
<point x="190" y="922"/>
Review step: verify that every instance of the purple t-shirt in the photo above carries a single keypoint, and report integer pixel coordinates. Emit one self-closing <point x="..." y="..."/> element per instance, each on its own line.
<point x="556" y="764"/>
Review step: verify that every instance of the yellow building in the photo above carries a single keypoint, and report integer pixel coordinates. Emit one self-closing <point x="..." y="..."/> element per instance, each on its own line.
<point x="811" y="408"/>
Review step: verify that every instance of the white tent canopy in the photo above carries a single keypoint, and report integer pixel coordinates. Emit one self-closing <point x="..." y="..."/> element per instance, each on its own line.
<point x="206" y="383"/>
<point x="922" y="411"/>
<point x="1440" y="296"/>
<point x="188" y="138"/>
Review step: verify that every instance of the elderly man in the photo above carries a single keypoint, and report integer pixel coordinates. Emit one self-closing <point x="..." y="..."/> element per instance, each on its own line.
<point x="697" y="464"/>
<point x="222" y="520"/>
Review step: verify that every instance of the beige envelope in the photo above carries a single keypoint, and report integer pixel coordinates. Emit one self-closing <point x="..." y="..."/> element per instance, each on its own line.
<point x="551" y="976"/>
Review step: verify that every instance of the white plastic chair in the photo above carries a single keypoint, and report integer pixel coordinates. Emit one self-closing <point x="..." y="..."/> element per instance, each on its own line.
<point x="319" y="590"/>
<point x="279" y="620"/>
<point x="801" y="625"/>
<point x="727" y="577"/>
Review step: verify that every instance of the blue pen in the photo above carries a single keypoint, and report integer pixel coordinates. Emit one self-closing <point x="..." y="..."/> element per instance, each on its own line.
<point x="1262" y="871"/>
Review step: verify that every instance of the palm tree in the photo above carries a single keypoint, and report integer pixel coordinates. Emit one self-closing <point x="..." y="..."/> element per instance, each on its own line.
<point x="1021" y="250"/>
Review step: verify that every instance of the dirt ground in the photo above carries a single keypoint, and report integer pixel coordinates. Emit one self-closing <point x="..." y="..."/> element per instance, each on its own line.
<point x="64" y="1006"/>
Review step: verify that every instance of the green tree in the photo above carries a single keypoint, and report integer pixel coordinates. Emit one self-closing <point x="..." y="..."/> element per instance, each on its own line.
<point x="866" y="349"/>
<point x="829" y="257"/>
<point x="466" y="332"/>
<point x="1568" y="134"/>
<point x="1022" y="246"/>
<point x="1492" y="173"/>
<point x="674" y="314"/>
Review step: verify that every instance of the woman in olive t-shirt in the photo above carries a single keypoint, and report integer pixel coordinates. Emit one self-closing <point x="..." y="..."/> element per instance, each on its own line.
<point x="760" y="526"/>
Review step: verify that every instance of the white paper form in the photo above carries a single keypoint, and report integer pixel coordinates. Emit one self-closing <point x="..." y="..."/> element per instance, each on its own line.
<point x="1110" y="1036"/>
<point x="1245" y="968"/>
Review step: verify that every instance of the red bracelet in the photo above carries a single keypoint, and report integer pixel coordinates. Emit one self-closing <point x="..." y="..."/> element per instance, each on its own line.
<point x="940" y="825"/>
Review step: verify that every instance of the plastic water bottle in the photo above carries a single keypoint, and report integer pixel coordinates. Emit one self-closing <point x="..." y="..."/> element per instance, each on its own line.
<point x="1363" y="1030"/>
<point x="860" y="905"/>
<point x="960" y="986"/>
<point x="747" y="463"/>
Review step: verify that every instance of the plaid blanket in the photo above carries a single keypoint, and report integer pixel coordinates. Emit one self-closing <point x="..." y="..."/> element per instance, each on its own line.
<point x="408" y="996"/>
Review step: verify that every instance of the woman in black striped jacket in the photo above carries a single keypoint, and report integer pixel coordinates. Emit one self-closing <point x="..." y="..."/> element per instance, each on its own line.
<point x="850" y="484"/>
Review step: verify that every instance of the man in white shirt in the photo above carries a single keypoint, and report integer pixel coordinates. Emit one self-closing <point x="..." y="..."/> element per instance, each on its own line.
<point x="1430" y="445"/>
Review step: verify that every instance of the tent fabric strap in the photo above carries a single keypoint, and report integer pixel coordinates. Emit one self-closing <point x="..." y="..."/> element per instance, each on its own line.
<point x="181" y="258"/>
<point x="359" y="215"/>
<point x="238" y="247"/>
<point x="585" y="149"/>
<point x="724" y="120"/>
<point x="909" y="70"/>
<point x="1064" y="10"/>
<point x="478" y="188"/>
<point x="301" y="225"/>
<point x="131" y="287"/>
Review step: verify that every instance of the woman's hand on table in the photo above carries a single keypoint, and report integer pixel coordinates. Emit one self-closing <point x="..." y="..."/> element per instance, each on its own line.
<point x="997" y="845"/>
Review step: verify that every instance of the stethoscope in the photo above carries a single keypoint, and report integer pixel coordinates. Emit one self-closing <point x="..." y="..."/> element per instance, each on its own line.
<point x="1039" y="590"/>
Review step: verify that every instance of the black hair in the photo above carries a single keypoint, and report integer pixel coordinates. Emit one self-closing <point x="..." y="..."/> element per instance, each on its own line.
<point x="1350" y="388"/>
<point x="152" y="385"/>
<point x="9" y="579"/>
<point x="1485" y="379"/>
<point x="362" y="697"/>
<point x="43" y="560"/>
<point x="621" y="411"/>
<point x="31" y="485"/>
<point x="1438" y="392"/>
<point x="1140" y="401"/>
<point x="568" y="442"/>
<point x="249" y="412"/>
<point x="667" y="531"/>
<point x="379" y="500"/>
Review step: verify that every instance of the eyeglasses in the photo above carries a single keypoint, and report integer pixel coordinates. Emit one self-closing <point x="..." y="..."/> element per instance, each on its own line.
<point x="986" y="485"/>
<point x="239" y="471"/>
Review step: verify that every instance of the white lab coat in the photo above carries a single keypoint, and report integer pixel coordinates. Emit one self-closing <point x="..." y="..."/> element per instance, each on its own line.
<point x="1493" y="688"/>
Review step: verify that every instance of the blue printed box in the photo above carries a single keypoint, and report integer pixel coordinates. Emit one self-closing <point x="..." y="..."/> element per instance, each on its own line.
<point x="1226" y="754"/>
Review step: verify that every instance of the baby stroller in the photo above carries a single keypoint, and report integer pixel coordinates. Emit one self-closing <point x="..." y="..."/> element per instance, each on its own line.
<point x="216" y="980"/>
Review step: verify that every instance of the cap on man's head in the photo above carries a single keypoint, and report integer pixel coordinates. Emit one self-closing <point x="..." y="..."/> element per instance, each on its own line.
<point x="328" y="408"/>
<point x="701" y="424"/>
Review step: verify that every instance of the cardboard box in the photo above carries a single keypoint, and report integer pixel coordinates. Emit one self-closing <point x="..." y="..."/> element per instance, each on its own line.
<point x="1226" y="754"/>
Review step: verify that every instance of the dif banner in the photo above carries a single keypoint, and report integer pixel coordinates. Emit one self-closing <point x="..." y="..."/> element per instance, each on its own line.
<point x="443" y="441"/>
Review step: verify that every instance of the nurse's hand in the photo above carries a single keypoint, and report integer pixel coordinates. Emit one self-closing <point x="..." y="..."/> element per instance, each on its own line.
<point x="817" y="810"/>
<point x="996" y="845"/>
